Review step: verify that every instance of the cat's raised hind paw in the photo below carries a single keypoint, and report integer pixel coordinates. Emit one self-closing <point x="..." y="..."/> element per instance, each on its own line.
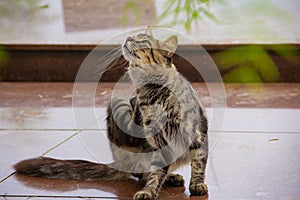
<point x="198" y="189"/>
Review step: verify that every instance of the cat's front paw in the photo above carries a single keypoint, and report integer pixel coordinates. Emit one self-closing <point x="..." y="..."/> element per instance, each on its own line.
<point x="198" y="189"/>
<point x="143" y="195"/>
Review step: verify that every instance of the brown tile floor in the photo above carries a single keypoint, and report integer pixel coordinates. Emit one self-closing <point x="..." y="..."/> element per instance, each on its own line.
<point x="256" y="156"/>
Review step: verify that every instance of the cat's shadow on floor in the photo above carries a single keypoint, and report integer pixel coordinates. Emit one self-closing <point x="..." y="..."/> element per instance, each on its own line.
<point x="118" y="189"/>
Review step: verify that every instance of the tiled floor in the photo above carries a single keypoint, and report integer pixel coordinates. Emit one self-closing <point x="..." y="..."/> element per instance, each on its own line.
<point x="255" y="156"/>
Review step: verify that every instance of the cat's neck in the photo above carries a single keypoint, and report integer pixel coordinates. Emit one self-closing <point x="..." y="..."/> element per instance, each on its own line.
<point x="153" y="75"/>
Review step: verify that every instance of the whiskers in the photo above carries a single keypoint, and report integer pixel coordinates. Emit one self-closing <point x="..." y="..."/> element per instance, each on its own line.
<point x="110" y="62"/>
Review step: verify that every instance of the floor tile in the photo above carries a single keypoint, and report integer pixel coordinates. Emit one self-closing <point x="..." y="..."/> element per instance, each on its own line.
<point x="263" y="95"/>
<point x="230" y="120"/>
<point x="262" y="120"/>
<point x="19" y="145"/>
<point x="92" y="146"/>
<point x="54" y="118"/>
<point x="241" y="166"/>
<point x="36" y="94"/>
<point x="41" y="187"/>
<point x="256" y="156"/>
<point x="57" y="94"/>
<point x="43" y="198"/>
<point x="221" y="119"/>
<point x="255" y="166"/>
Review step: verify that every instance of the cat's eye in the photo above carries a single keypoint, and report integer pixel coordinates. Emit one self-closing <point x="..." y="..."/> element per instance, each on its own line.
<point x="148" y="122"/>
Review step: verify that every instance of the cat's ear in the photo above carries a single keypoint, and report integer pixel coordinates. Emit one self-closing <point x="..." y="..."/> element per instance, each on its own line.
<point x="148" y="30"/>
<point x="170" y="45"/>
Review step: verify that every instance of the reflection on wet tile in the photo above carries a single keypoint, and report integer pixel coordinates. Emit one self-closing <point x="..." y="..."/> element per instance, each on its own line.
<point x="241" y="166"/>
<point x="255" y="166"/>
<point x="33" y="186"/>
<point x="90" y="145"/>
<point x="262" y="120"/>
<point x="49" y="94"/>
<point x="252" y="166"/>
<point x="25" y="185"/>
<point x="19" y="145"/>
<point x="50" y="118"/>
<point x="253" y="120"/>
<point x="226" y="120"/>
<point x="95" y="146"/>
<point x="255" y="157"/>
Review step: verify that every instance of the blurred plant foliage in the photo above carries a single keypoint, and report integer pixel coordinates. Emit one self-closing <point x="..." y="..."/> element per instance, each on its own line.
<point x="3" y="55"/>
<point x="3" y="59"/>
<point x="15" y="12"/>
<point x="11" y="12"/>
<point x="11" y="8"/>
<point x="185" y="12"/>
<point x="247" y="63"/>
<point x="130" y="11"/>
<point x="252" y="63"/>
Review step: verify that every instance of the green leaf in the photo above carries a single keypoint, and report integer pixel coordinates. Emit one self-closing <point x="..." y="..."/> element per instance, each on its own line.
<point x="195" y="15"/>
<point x="43" y="6"/>
<point x="252" y="55"/>
<point x="210" y="15"/>
<point x="287" y="51"/>
<point x="3" y="55"/>
<point x="124" y="20"/>
<point x="265" y="65"/>
<point x="187" y="6"/>
<point x="188" y="25"/>
<point x="229" y="58"/>
<point x="169" y="3"/>
<point x="131" y="6"/>
<point x="203" y="1"/>
<point x="243" y="74"/>
<point x="169" y="12"/>
<point x="164" y="14"/>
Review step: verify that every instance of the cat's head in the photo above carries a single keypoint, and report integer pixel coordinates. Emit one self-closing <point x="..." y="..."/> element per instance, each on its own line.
<point x="144" y="49"/>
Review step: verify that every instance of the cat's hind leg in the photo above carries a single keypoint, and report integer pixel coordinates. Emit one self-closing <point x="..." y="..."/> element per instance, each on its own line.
<point x="156" y="177"/>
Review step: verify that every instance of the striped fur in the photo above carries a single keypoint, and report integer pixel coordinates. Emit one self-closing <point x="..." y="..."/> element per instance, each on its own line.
<point x="160" y="129"/>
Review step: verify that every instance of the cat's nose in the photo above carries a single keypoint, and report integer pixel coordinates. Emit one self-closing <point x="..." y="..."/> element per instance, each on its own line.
<point x="129" y="39"/>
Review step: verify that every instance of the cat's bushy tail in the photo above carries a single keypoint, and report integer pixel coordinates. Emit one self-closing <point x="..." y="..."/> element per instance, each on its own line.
<point x="68" y="169"/>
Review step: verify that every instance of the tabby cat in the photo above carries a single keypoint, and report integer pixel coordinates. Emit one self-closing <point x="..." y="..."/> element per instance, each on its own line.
<point x="160" y="129"/>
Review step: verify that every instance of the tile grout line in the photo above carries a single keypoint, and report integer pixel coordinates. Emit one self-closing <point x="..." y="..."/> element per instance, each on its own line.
<point x="66" y="197"/>
<point x="212" y="131"/>
<point x="49" y="150"/>
<point x="50" y="129"/>
<point x="7" y="177"/>
<point x="37" y="129"/>
<point x="68" y="138"/>
<point x="52" y="148"/>
<point x="62" y="142"/>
